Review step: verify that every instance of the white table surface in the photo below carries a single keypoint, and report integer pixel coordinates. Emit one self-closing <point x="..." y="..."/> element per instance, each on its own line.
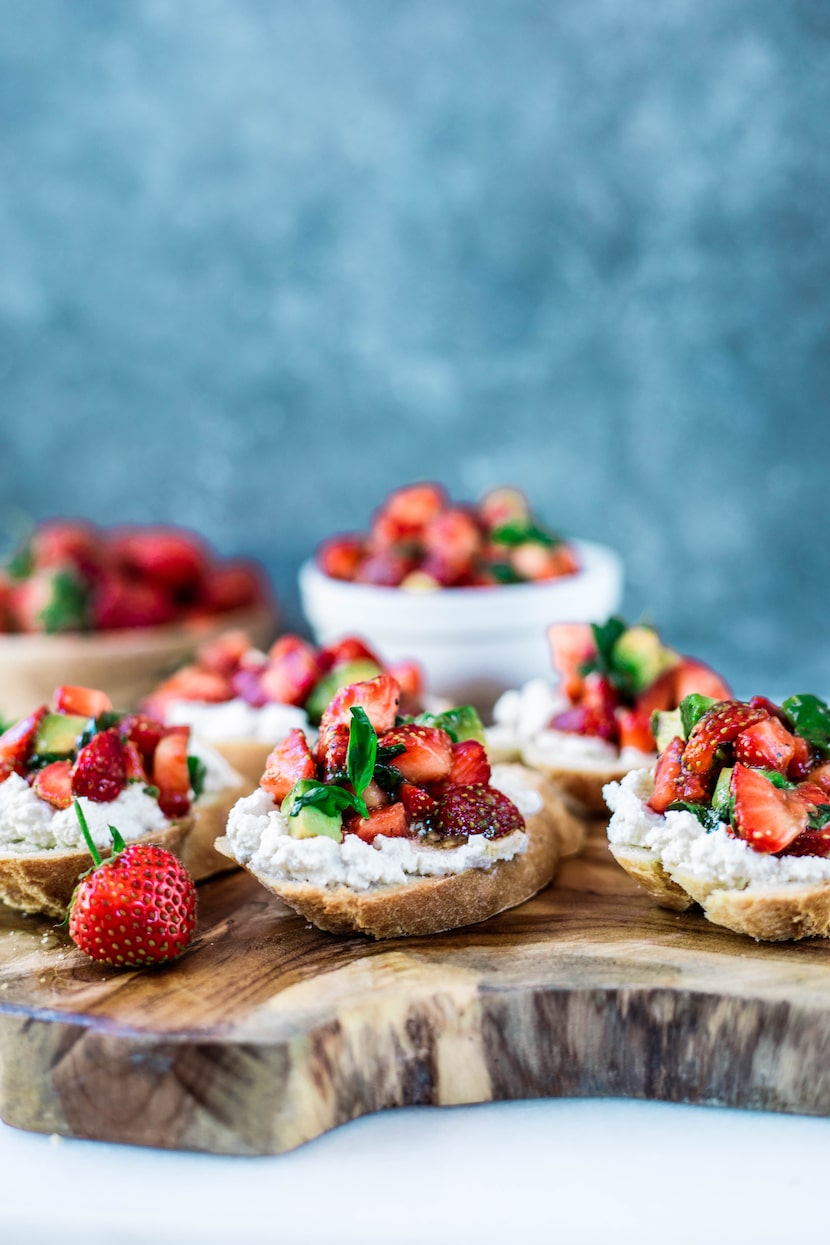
<point x="572" y="1171"/>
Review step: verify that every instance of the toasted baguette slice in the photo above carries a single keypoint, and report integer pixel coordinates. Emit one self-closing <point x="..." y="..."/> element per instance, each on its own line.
<point x="431" y="905"/>
<point x="581" y="785"/>
<point x="247" y="757"/>
<point x="44" y="881"/>
<point x="208" y="817"/>
<point x="645" y="867"/>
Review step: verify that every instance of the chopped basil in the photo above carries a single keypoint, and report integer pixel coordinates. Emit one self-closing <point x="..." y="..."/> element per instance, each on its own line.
<point x="21" y="564"/>
<point x="330" y="800"/>
<point x="820" y="818"/>
<point x="68" y="608"/>
<point x="810" y="718"/>
<point x="707" y="816"/>
<point x="504" y="573"/>
<point x="153" y="792"/>
<point x="777" y="780"/>
<point x="104" y="722"/>
<point x="362" y="751"/>
<point x="514" y="534"/>
<point x="196" y="771"/>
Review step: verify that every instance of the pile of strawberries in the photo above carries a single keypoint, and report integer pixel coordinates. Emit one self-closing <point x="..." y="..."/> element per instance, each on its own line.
<point x="230" y="667"/>
<point x="602" y="705"/>
<point x="425" y="784"/>
<point x="778" y="795"/>
<point x="111" y="751"/>
<point x="72" y="576"/>
<point x="420" y="541"/>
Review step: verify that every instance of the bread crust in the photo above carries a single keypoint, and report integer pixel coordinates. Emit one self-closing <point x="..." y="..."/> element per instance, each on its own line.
<point x="44" y="881"/>
<point x="768" y="914"/>
<point x="209" y="817"/>
<point x="431" y="905"/>
<point x="247" y="757"/>
<point x="583" y="787"/>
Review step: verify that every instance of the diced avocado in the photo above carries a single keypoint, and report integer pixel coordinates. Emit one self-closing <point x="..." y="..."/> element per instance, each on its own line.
<point x="640" y="654"/>
<point x="326" y="689"/>
<point x="665" y="725"/>
<point x="57" y="735"/>
<point x="460" y="724"/>
<point x="309" y="821"/>
<point x="721" y="796"/>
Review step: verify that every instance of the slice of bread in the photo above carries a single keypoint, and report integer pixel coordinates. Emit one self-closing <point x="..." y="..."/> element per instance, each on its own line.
<point x="583" y="784"/>
<point x="247" y="757"/>
<point x="432" y="904"/>
<point x="44" y="881"/>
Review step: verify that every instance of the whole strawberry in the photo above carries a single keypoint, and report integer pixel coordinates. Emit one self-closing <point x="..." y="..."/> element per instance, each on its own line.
<point x="136" y="909"/>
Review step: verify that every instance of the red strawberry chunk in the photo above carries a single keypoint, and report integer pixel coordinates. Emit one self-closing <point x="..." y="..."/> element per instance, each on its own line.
<point x="694" y="676"/>
<point x="170" y="773"/>
<point x="820" y="776"/>
<point x="235" y="585"/>
<point x="721" y="725"/>
<point x="120" y="602"/>
<point x="349" y="649"/>
<point x="774" y="710"/>
<point x="100" y="769"/>
<point x="16" y="742"/>
<point x="247" y="684"/>
<point x="145" y="732"/>
<point x="812" y="842"/>
<point x="634" y="727"/>
<point x="427" y="756"/>
<point x="661" y="695"/>
<point x="767" y="817"/>
<point x="409" y="676"/>
<point x="469" y="764"/>
<point x="332" y="752"/>
<point x="86" y="701"/>
<point x="290" y="761"/>
<point x="54" y="784"/>
<point x="802" y="760"/>
<point x="293" y="669"/>
<point x="478" y="809"/>
<point x="385" y="569"/>
<point x="135" y="763"/>
<point x="390" y="821"/>
<point x="667" y="775"/>
<point x="224" y="654"/>
<point x="340" y="556"/>
<point x="379" y="697"/>
<point x="766" y="745"/>
<point x="571" y="645"/>
<point x="175" y="560"/>
<point x="420" y="806"/>
<point x="194" y="683"/>
<point x="411" y="508"/>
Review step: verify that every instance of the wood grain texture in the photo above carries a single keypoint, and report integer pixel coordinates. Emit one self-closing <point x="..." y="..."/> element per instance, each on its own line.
<point x="268" y="1033"/>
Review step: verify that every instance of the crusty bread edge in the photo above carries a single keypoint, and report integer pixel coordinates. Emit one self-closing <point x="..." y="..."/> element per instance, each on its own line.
<point x="768" y="914"/>
<point x="583" y="786"/>
<point x="431" y="905"/>
<point x="44" y="881"/>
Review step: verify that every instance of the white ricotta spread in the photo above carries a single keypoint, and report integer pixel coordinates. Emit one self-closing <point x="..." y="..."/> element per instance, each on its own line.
<point x="236" y="719"/>
<point x="565" y="750"/>
<point x="682" y="843"/>
<point x="29" y="824"/>
<point x="258" y="835"/>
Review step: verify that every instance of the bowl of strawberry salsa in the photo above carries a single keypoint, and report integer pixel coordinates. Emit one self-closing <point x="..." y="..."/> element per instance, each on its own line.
<point x="116" y="608"/>
<point x="470" y="589"/>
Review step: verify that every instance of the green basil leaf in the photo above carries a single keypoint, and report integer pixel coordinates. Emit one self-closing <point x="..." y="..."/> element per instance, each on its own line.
<point x="707" y="817"/>
<point x="504" y="573"/>
<point x="362" y="751"/>
<point x="21" y="564"/>
<point x="777" y="780"/>
<point x="196" y="771"/>
<point x="692" y="709"/>
<point x="331" y="800"/>
<point x="153" y="792"/>
<point x="810" y="718"/>
<point x="820" y="818"/>
<point x="514" y="534"/>
<point x="68" y="608"/>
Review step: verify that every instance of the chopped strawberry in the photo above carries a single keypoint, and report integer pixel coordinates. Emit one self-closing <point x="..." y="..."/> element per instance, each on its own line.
<point x="453" y="536"/>
<point x="409" y="676"/>
<point x="440" y="570"/>
<point x="171" y="774"/>
<point x="811" y="843"/>
<point x="571" y="645"/>
<point x="769" y="818"/>
<point x="100" y="769"/>
<point x="59" y="542"/>
<point x="349" y="649"/>
<point x="766" y="745"/>
<point x="247" y="684"/>
<point x="332" y="752"/>
<point x="478" y="809"/>
<point x="135" y="763"/>
<point x="224" y="654"/>
<point x="197" y="684"/>
<point x="802" y="760"/>
<point x="52" y="600"/>
<point x="595" y="715"/>
<point x="290" y="761"/>
<point x="635" y="729"/>
<point x="176" y="560"/>
<point x="390" y="821"/>
<point x="427" y="756"/>
<point x="695" y="788"/>
<point x="660" y="695"/>
<point x="413" y="507"/>
<point x="502" y="506"/>
<point x="380" y="697"/>
<point x="84" y="701"/>
<point x="420" y="805"/>
<point x="719" y="726"/>
<point x="535" y="561"/>
<point x="667" y="775"/>
<point x="16" y="742"/>
<point x="293" y="669"/>
<point x="821" y="776"/>
<point x="237" y="584"/>
<point x="119" y="602"/>
<point x="385" y="569"/>
<point x="469" y="764"/>
<point x="53" y="784"/>
<point x="145" y="732"/>
<point x="691" y="676"/>
<point x="341" y="556"/>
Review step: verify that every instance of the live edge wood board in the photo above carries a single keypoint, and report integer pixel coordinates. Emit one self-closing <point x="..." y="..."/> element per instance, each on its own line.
<point x="268" y="1033"/>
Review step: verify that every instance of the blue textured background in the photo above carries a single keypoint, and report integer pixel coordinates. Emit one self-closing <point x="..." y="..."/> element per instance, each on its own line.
<point x="260" y="261"/>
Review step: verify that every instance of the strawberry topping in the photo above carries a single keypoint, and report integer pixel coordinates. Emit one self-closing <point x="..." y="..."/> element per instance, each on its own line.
<point x="54" y="784"/>
<point x="100" y="769"/>
<point x="16" y="742"/>
<point x="289" y="762"/>
<point x="769" y="818"/>
<point x="427" y="755"/>
<point x="390" y="821"/>
<point x="766" y="745"/>
<point x="86" y="701"/>
<point x="478" y="809"/>
<point x="469" y="763"/>
<point x="719" y="726"/>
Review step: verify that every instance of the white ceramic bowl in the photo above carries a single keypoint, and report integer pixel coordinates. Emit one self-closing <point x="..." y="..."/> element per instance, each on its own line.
<point x="473" y="643"/>
<point x="127" y="664"/>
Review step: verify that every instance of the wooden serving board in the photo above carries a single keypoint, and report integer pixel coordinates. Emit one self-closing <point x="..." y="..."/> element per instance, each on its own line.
<point x="268" y="1032"/>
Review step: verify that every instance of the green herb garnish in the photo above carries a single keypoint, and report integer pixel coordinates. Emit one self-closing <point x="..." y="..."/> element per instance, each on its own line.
<point x="362" y="751"/>
<point x="196" y="772"/>
<point x="68" y="608"/>
<point x="692" y="709"/>
<point x="810" y="718"/>
<point x="514" y="534"/>
<point x="707" y="817"/>
<point x="331" y="800"/>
